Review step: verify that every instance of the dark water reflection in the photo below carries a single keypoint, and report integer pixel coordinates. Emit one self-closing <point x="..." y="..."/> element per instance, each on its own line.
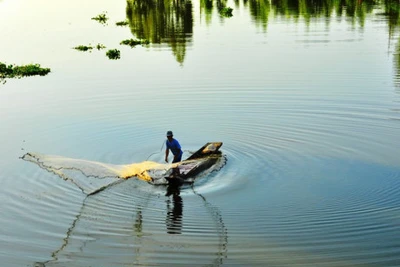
<point x="171" y="22"/>
<point x="162" y="22"/>
<point x="174" y="213"/>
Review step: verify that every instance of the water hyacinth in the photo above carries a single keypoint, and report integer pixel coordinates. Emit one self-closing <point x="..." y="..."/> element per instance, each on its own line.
<point x="226" y="11"/>
<point x="113" y="54"/>
<point x="83" y="48"/>
<point x="13" y="71"/>
<point x="100" y="46"/>
<point x="133" y="42"/>
<point x="101" y="18"/>
<point x="122" y="23"/>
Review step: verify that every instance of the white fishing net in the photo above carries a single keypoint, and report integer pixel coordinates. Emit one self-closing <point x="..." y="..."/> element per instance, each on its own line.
<point x="92" y="176"/>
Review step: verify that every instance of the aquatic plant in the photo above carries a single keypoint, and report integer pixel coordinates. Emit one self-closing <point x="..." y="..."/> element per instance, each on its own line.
<point x="122" y="23"/>
<point x="13" y="71"/>
<point x="30" y="70"/>
<point x="113" y="54"/>
<point x="100" y="46"/>
<point x="226" y="11"/>
<point x="133" y="42"/>
<point x="83" y="48"/>
<point x="5" y="70"/>
<point x="101" y="18"/>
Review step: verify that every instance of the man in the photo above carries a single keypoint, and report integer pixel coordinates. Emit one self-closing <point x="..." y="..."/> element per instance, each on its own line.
<point x="173" y="145"/>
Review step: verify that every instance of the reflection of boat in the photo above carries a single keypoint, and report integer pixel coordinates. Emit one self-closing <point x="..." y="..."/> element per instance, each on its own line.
<point x="201" y="160"/>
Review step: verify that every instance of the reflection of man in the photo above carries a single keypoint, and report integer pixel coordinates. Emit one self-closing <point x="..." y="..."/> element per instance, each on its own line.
<point x="173" y="145"/>
<point x="138" y="223"/>
<point x="174" y="214"/>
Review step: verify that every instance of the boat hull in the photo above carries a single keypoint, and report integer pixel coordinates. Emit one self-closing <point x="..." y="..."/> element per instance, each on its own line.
<point x="200" y="161"/>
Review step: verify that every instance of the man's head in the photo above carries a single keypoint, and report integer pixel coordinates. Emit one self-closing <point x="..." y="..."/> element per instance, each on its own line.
<point x="169" y="134"/>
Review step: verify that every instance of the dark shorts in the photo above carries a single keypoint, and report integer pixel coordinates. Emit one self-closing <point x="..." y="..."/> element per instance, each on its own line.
<point x="177" y="158"/>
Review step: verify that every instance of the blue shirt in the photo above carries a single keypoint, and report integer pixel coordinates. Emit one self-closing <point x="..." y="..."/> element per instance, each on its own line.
<point x="174" y="146"/>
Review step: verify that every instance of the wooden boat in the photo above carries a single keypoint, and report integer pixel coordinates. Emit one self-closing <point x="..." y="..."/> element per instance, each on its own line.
<point x="198" y="162"/>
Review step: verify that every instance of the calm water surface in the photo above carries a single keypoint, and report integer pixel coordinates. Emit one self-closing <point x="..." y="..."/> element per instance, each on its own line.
<point x="304" y="94"/>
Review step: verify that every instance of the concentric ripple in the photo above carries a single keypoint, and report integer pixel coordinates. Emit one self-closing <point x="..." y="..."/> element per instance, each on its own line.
<point x="307" y="106"/>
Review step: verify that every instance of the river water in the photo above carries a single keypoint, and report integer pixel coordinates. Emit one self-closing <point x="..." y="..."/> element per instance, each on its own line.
<point x="304" y="96"/>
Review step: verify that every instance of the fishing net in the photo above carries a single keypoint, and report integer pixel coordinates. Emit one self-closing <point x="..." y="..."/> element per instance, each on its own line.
<point x="122" y="232"/>
<point x="142" y="229"/>
<point x="92" y="176"/>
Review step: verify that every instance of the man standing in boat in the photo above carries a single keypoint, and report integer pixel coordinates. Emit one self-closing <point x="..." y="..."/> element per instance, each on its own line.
<point x="173" y="145"/>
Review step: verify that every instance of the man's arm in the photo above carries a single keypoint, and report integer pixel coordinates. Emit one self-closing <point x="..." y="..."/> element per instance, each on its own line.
<point x="166" y="154"/>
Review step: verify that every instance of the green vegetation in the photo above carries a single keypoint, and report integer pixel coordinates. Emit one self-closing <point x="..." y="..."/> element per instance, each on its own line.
<point x="226" y="11"/>
<point x="13" y="71"/>
<point x="101" y="18"/>
<point x="122" y="23"/>
<point x="113" y="54"/>
<point x="83" y="48"/>
<point x="100" y="46"/>
<point x="133" y="42"/>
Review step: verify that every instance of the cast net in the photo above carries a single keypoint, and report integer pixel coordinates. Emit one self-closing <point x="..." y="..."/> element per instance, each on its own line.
<point x="93" y="176"/>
